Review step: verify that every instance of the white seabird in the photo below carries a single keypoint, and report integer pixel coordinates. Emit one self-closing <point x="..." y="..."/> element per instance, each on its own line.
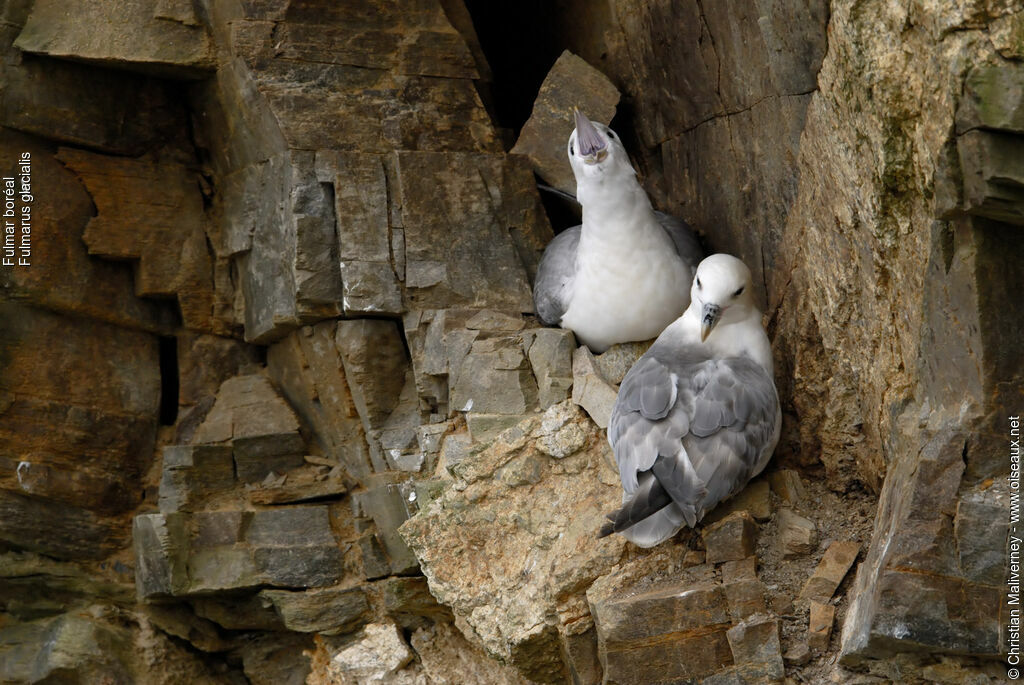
<point x="625" y="272"/>
<point x="698" y="415"/>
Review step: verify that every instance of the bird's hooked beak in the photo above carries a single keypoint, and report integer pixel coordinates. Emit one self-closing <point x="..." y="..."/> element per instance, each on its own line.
<point x="592" y="145"/>
<point x="709" y="316"/>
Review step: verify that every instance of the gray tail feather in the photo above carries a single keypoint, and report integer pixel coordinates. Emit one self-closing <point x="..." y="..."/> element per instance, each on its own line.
<point x="648" y="500"/>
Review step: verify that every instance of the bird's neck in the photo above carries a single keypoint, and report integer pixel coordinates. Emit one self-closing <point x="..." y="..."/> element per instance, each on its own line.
<point x="743" y="338"/>
<point x="616" y="205"/>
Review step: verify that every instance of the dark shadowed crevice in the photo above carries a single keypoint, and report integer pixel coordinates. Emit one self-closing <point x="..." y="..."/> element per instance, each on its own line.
<point x="168" y="380"/>
<point x="521" y="41"/>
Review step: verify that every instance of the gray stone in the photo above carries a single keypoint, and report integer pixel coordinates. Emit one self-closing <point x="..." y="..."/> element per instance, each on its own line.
<point x="615" y="362"/>
<point x="495" y="378"/>
<point x="494" y="202"/>
<point x="374" y="559"/>
<point x="370" y="282"/>
<point x="375" y="362"/>
<point x="483" y="428"/>
<point x="257" y="456"/>
<point x="488" y="320"/>
<point x="307" y="367"/>
<point x="329" y="611"/>
<point x="797" y="535"/>
<point x="192" y="473"/>
<point x="50" y="648"/>
<point x="570" y="83"/>
<point x="375" y="655"/>
<point x="993" y="175"/>
<point x="132" y="36"/>
<point x="384" y="502"/>
<point x="123" y="114"/>
<point x="993" y="99"/>
<point x="730" y="539"/>
<point x="981" y="531"/>
<point x="160" y="543"/>
<point x="589" y="389"/>
<point x="438" y="342"/>
<point x="237" y="612"/>
<point x="560" y="433"/>
<point x="550" y="353"/>
<point x="262" y="429"/>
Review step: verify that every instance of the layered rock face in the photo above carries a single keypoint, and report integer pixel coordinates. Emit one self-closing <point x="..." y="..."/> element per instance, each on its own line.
<point x="274" y="407"/>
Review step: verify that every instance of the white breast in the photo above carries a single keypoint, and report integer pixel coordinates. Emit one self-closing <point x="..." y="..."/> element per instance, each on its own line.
<point x="630" y="284"/>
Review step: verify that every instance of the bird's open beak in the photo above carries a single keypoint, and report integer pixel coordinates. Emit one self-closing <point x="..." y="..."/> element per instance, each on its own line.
<point x="593" y="146"/>
<point x="709" y="316"/>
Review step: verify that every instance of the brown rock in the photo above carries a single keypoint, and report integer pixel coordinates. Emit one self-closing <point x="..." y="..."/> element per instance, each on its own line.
<point x="329" y="611"/>
<point x="675" y="631"/>
<point x="831" y="570"/>
<point x="797" y="535"/>
<point x="571" y="83"/>
<point x="61" y="276"/>
<point x="743" y="569"/>
<point x="786" y="483"/>
<point x="80" y="410"/>
<point x="731" y="539"/>
<point x="134" y="35"/>
<point x="745" y="598"/>
<point x="756" y="642"/>
<point x="752" y="499"/>
<point x="150" y="211"/>
<point x="558" y="504"/>
<point x="819" y="627"/>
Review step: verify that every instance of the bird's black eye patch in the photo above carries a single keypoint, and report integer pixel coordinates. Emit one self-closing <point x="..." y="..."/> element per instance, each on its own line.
<point x="611" y="134"/>
<point x="572" y="150"/>
<point x="739" y="292"/>
<point x="698" y="283"/>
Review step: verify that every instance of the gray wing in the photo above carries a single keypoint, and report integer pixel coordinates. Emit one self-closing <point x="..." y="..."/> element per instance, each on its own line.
<point x="733" y="422"/>
<point x="555" y="274"/>
<point x="694" y="430"/>
<point x="683" y="237"/>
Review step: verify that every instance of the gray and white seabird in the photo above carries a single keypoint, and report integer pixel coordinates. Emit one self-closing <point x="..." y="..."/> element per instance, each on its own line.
<point x="698" y="415"/>
<point x="625" y="272"/>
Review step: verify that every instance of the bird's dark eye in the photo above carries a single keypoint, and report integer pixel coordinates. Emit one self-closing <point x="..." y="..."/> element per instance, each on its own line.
<point x="739" y="292"/>
<point x="572" y="150"/>
<point x="611" y="134"/>
<point x="698" y="283"/>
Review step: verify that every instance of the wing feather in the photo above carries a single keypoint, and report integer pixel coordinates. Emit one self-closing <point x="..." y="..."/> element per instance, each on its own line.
<point x="701" y="427"/>
<point x="555" y="274"/>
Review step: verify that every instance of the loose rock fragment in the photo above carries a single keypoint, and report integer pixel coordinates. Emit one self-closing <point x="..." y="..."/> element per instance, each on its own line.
<point x="787" y="485"/>
<point x="731" y="539"/>
<point x="819" y="628"/>
<point x="589" y="388"/>
<point x="838" y="559"/>
<point x="797" y="535"/>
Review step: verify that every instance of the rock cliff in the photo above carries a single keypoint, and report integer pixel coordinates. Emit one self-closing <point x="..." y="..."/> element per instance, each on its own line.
<point x="274" y="406"/>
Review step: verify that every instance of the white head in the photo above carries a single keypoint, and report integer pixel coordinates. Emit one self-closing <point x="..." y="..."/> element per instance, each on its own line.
<point x="596" y="152"/>
<point x="721" y="292"/>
